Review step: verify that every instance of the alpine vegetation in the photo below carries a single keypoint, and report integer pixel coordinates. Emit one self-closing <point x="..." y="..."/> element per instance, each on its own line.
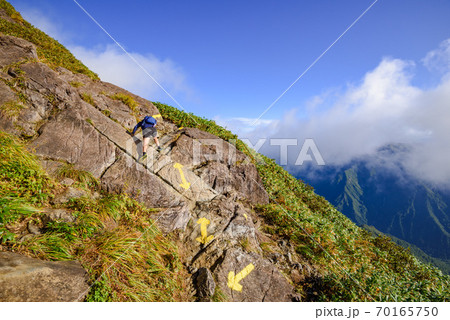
<point x="189" y="220"/>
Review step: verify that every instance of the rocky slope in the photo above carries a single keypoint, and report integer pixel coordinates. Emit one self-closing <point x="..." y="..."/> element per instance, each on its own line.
<point x="209" y="199"/>
<point x="236" y="229"/>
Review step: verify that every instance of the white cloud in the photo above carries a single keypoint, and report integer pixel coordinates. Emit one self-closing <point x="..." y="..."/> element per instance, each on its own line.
<point x="439" y="59"/>
<point x="242" y="126"/>
<point x="113" y="65"/>
<point x="385" y="108"/>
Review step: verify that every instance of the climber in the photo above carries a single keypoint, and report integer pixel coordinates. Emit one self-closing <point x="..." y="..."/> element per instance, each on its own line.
<point x="148" y="125"/>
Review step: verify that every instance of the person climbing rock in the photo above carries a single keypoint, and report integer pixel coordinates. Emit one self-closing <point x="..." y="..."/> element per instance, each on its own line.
<point x="148" y="125"/>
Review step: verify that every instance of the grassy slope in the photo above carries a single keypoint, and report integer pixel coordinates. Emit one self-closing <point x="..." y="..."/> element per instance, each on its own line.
<point x="113" y="237"/>
<point x="416" y="251"/>
<point x="353" y="264"/>
<point x="353" y="201"/>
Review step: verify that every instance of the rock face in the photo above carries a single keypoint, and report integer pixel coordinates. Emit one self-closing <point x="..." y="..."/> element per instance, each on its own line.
<point x="52" y="215"/>
<point x="7" y="96"/>
<point x="219" y="164"/>
<point x="205" y="284"/>
<point x="69" y="193"/>
<point x="138" y="182"/>
<point x="14" y="50"/>
<point x="230" y="249"/>
<point x="173" y="218"/>
<point x="78" y="143"/>
<point x="203" y="186"/>
<point x="261" y="280"/>
<point x="27" y="279"/>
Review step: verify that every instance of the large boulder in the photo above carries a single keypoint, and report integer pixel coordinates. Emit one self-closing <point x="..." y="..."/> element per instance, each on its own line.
<point x="173" y="218"/>
<point x="27" y="279"/>
<point x="69" y="137"/>
<point x="243" y="178"/>
<point x="186" y="182"/>
<point x="220" y="165"/>
<point x="227" y="221"/>
<point x="13" y="50"/>
<point x="246" y="276"/>
<point x="46" y="94"/>
<point x="39" y="84"/>
<point x="42" y="79"/>
<point x="126" y="175"/>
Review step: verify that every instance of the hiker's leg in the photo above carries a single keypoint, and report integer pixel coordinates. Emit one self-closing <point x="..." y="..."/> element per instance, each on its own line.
<point x="145" y="143"/>
<point x="156" y="141"/>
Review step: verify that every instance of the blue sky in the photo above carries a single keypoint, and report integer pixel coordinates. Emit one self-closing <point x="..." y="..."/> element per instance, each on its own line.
<point x="236" y="57"/>
<point x="387" y="80"/>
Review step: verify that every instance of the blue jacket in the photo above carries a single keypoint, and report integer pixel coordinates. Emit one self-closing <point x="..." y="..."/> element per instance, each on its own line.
<point x="145" y="123"/>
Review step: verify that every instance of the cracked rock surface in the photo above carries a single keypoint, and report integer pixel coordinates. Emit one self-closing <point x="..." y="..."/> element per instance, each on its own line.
<point x="202" y="185"/>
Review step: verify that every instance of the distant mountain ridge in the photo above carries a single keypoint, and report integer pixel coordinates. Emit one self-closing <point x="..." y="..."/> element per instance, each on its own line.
<point x="391" y="201"/>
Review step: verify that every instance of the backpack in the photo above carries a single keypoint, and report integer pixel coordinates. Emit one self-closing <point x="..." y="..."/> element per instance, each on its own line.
<point x="150" y="121"/>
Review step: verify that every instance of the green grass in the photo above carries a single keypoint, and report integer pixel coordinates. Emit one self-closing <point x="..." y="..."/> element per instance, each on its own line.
<point x="10" y="11"/>
<point x="100" y="291"/>
<point x="76" y="84"/>
<point x="120" y="245"/>
<point x="106" y="112"/>
<point x="11" y="109"/>
<point x="219" y="296"/>
<point x="85" y="178"/>
<point x="128" y="101"/>
<point x="23" y="184"/>
<point x="49" y="50"/>
<point x="114" y="237"/>
<point x="184" y="119"/>
<point x="443" y="265"/>
<point x="12" y="209"/>
<point x="20" y="174"/>
<point x="88" y="98"/>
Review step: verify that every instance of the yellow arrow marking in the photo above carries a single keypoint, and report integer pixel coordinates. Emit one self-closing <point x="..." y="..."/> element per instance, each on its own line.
<point x="184" y="184"/>
<point x="233" y="280"/>
<point x="203" y="222"/>
<point x="245" y="216"/>
<point x="156" y="116"/>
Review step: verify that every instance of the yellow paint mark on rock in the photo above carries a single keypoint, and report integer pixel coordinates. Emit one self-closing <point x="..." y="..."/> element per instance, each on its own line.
<point x="204" y="238"/>
<point x="233" y="280"/>
<point x="184" y="184"/>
